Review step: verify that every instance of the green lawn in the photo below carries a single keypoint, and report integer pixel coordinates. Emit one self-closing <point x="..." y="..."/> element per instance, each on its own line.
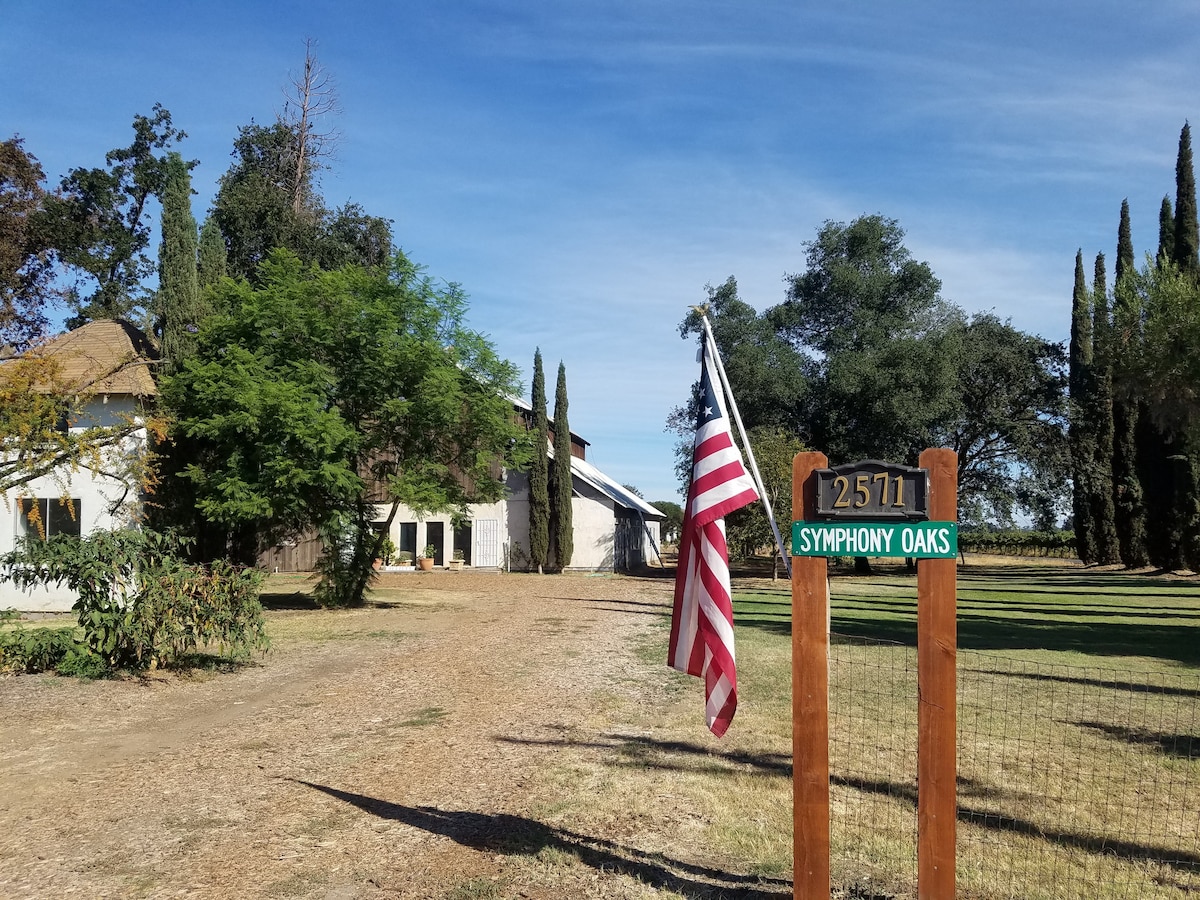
<point x="1047" y="612"/>
<point x="1079" y="728"/>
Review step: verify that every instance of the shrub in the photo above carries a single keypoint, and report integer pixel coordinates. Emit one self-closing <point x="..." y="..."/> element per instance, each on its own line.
<point x="35" y="649"/>
<point x="82" y="663"/>
<point x="139" y="604"/>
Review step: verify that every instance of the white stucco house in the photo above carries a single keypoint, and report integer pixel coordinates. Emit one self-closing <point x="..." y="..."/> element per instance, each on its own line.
<point x="614" y="530"/>
<point x="108" y="362"/>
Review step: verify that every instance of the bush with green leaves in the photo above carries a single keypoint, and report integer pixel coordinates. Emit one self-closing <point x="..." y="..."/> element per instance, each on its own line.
<point x="34" y="649"/>
<point x="140" y="605"/>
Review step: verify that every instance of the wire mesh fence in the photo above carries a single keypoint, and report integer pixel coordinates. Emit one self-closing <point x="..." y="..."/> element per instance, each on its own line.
<point x="1073" y="782"/>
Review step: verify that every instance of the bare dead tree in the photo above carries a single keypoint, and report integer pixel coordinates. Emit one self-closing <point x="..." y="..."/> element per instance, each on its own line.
<point x="310" y="97"/>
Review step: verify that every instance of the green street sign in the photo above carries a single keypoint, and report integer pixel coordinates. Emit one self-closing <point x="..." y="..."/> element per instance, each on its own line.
<point x="919" y="540"/>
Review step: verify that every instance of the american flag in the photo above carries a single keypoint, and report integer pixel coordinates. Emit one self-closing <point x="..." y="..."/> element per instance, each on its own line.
<point x="702" y="620"/>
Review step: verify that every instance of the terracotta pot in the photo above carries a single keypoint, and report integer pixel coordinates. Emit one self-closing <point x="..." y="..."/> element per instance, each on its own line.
<point x="426" y="563"/>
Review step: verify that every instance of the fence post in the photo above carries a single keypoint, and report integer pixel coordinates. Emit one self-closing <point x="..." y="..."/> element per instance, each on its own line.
<point x="937" y="647"/>
<point x="810" y="699"/>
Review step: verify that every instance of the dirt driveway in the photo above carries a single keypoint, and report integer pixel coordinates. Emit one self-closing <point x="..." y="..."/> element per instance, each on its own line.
<point x="456" y="741"/>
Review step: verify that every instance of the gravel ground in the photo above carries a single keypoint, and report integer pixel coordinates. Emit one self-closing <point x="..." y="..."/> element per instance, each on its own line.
<point x="421" y="747"/>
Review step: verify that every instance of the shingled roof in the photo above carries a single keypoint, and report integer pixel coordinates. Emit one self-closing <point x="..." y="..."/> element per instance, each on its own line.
<point x="106" y="356"/>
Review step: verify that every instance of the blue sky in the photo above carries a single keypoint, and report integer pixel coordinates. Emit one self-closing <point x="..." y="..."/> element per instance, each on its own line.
<point x="584" y="169"/>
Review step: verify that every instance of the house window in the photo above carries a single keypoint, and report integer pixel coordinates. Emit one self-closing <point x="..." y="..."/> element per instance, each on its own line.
<point x="47" y="516"/>
<point x="408" y="538"/>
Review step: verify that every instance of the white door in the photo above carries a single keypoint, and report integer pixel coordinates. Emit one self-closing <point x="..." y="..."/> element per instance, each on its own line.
<point x="486" y="536"/>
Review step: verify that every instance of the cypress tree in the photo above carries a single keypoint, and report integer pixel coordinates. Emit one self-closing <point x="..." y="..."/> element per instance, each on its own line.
<point x="1187" y="476"/>
<point x="539" y="471"/>
<point x="1101" y="416"/>
<point x="1186" y="249"/>
<point x="560" y="481"/>
<point x="1154" y="474"/>
<point x="1166" y="232"/>
<point x="1080" y="431"/>
<point x="178" y="300"/>
<point x="1128" y="500"/>
<point x="1186" y="492"/>
<point x="1153" y="447"/>
<point x="1125" y="261"/>
<point x="212" y="254"/>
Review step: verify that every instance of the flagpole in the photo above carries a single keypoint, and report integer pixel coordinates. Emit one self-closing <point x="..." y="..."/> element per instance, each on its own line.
<point x="737" y="417"/>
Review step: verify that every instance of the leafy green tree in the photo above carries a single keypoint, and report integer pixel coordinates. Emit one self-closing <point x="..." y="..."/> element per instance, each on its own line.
<point x="212" y="267"/>
<point x="1128" y="497"/>
<point x="1081" y="430"/>
<point x="350" y="237"/>
<point x="270" y="197"/>
<point x="561" y="518"/>
<point x="26" y="257"/>
<point x="178" y="308"/>
<point x="324" y="400"/>
<point x="672" y="527"/>
<point x="768" y="376"/>
<point x="1159" y="368"/>
<point x="1010" y="416"/>
<point x="872" y="321"/>
<point x="1108" y="549"/>
<point x="1186" y="246"/>
<point x="865" y="359"/>
<point x="1126" y="264"/>
<point x="1153" y="445"/>
<point x="1183" y="448"/>
<point x="256" y="210"/>
<point x="748" y="529"/>
<point x="38" y="394"/>
<point x="99" y="222"/>
<point x="253" y="207"/>
<point x="539" y="471"/>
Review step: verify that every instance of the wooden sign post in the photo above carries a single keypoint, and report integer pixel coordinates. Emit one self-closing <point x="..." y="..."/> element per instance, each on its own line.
<point x="810" y="699"/>
<point x="937" y="652"/>
<point x="873" y="508"/>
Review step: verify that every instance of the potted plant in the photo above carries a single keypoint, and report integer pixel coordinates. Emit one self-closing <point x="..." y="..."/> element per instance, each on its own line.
<point x="456" y="562"/>
<point x="386" y="551"/>
<point x="425" y="560"/>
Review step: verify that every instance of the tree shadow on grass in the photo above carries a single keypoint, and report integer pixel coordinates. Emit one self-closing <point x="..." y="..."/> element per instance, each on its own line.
<point x="1117" y="681"/>
<point x="636" y="749"/>
<point x="608" y="604"/>
<point x="1179" y="746"/>
<point x="1106" y="845"/>
<point x="1168" y="642"/>
<point x="1176" y="643"/>
<point x="518" y="835"/>
<point x="294" y="600"/>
